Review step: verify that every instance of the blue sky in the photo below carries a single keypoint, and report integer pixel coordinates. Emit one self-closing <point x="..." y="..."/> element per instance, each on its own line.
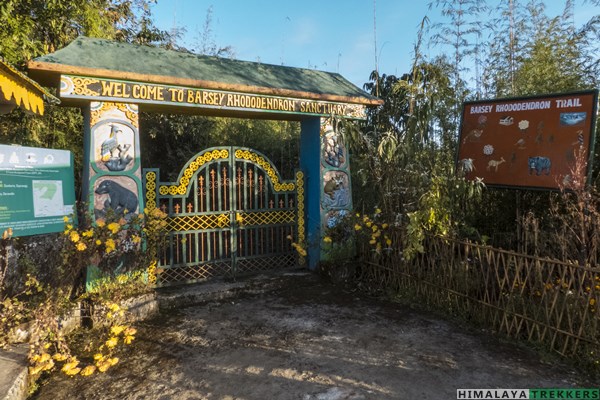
<point x="330" y="35"/>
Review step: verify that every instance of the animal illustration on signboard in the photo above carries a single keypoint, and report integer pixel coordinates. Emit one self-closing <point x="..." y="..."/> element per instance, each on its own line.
<point x="466" y="164"/>
<point x="120" y="200"/>
<point x="494" y="164"/>
<point x="539" y="164"/>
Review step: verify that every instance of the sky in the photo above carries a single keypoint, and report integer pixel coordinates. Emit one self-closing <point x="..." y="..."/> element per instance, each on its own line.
<point x="330" y="35"/>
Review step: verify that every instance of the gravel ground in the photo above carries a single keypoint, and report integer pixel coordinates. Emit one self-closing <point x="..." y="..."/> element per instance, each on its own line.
<point x="309" y="340"/>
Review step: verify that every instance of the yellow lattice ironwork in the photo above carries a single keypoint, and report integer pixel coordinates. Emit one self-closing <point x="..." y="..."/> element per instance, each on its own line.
<point x="300" y="212"/>
<point x="265" y="217"/>
<point x="150" y="190"/>
<point x="180" y="188"/>
<point x="267" y="167"/>
<point x="197" y="222"/>
<point x="152" y="273"/>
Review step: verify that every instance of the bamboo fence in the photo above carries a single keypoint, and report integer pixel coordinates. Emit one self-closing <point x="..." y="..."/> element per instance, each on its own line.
<point x="539" y="300"/>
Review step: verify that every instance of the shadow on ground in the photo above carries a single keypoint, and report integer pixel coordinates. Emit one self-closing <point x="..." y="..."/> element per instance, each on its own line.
<point x="307" y="340"/>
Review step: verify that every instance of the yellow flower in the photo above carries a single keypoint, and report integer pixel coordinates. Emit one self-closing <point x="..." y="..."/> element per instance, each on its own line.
<point x="372" y="241"/>
<point x="388" y="242"/>
<point x="128" y="339"/>
<point x="110" y="245"/>
<point x="327" y="239"/>
<point x="59" y="357"/>
<point x="100" y="222"/>
<point x="74" y="236"/>
<point x="88" y="233"/>
<point x="70" y="365"/>
<point x="98" y="242"/>
<point x="81" y="246"/>
<point x="136" y="239"/>
<point x="73" y="371"/>
<point x="117" y="329"/>
<point x="130" y="331"/>
<point x="112" y="342"/>
<point x="103" y="366"/>
<point x="375" y="228"/>
<point x="357" y="227"/>
<point x="114" y="227"/>
<point x="48" y="365"/>
<point x="384" y="226"/>
<point x="66" y="219"/>
<point x="35" y="370"/>
<point x="592" y="302"/>
<point x="113" y="361"/>
<point x="44" y="357"/>
<point x="98" y="357"/>
<point x="378" y="211"/>
<point x="89" y="370"/>
<point x="114" y="307"/>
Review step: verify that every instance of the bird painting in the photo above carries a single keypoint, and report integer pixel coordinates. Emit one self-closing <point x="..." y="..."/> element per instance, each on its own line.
<point x="110" y="144"/>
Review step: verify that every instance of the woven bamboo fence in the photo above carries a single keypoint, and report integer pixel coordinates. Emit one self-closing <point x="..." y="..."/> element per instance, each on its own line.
<point x="540" y="300"/>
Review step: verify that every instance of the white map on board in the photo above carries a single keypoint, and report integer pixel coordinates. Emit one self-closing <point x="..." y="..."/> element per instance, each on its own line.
<point x="47" y="198"/>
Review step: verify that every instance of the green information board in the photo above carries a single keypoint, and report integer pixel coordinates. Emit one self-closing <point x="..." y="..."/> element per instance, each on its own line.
<point x="37" y="189"/>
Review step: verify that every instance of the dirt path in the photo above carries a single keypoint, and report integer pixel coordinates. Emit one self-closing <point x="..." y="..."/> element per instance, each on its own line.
<point x="308" y="340"/>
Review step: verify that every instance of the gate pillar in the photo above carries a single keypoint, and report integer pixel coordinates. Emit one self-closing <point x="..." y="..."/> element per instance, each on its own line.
<point x="310" y="163"/>
<point x="111" y="164"/>
<point x="325" y="161"/>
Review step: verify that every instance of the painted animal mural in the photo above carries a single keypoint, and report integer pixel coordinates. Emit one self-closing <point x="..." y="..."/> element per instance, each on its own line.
<point x="539" y="164"/>
<point x="120" y="200"/>
<point x="336" y="190"/>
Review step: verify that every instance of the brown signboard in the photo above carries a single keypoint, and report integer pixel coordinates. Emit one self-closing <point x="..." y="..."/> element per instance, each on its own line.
<point x="527" y="142"/>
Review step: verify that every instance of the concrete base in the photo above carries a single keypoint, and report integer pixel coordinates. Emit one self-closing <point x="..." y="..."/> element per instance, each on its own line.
<point x="14" y="377"/>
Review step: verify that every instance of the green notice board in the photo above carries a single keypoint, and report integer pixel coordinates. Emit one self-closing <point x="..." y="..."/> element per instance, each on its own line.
<point x="37" y="189"/>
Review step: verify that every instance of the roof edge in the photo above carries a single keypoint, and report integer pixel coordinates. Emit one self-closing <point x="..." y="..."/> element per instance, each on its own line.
<point x="36" y="87"/>
<point x="170" y="80"/>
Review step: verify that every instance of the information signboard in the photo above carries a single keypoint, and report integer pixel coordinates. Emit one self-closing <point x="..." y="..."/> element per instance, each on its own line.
<point x="36" y="189"/>
<point x="527" y="142"/>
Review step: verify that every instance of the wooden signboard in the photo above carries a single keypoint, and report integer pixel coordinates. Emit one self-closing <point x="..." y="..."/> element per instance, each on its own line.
<point x="528" y="142"/>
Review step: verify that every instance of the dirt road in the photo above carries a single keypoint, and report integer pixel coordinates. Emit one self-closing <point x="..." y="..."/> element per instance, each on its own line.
<point x="308" y="340"/>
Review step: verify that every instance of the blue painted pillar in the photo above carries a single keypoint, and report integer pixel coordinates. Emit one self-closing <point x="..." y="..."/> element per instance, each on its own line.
<point x="310" y="163"/>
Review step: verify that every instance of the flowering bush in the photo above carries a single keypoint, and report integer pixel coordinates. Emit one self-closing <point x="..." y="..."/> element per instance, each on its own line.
<point x="360" y="228"/>
<point x="116" y="247"/>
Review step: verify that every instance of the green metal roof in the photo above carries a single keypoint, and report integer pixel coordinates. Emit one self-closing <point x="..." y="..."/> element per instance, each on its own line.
<point x="100" y="57"/>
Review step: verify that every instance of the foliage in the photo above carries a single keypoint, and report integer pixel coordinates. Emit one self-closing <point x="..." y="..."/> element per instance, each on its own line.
<point x="171" y="140"/>
<point x="115" y="245"/>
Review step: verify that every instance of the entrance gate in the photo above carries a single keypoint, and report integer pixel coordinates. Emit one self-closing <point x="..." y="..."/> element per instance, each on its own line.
<point x="229" y="213"/>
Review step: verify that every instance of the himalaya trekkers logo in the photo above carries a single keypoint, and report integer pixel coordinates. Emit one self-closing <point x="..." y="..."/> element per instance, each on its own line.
<point x="546" y="394"/>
